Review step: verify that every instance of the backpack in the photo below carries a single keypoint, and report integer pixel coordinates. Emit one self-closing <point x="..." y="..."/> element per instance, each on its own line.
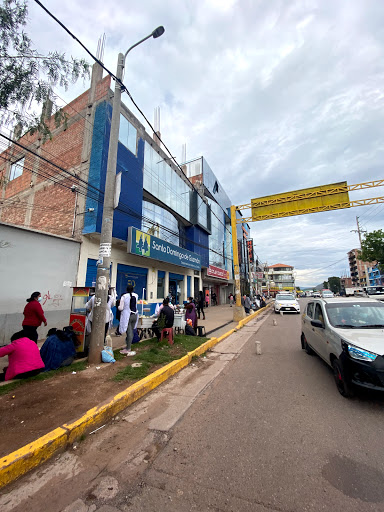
<point x="132" y="304"/>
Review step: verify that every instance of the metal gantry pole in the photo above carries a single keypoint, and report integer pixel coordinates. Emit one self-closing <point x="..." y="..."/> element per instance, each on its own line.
<point x="238" y="312"/>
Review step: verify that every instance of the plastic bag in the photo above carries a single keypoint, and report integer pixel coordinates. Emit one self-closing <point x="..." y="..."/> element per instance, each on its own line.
<point x="107" y="355"/>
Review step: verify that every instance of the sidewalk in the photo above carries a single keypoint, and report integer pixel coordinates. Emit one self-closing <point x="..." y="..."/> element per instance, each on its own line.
<point x="218" y="320"/>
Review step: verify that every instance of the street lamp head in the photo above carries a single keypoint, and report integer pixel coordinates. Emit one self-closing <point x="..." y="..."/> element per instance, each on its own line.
<point x="159" y="31"/>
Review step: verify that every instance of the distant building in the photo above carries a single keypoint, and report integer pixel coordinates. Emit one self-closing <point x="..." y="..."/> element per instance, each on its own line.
<point x="279" y="277"/>
<point x="345" y="282"/>
<point x="358" y="268"/>
<point x="375" y="276"/>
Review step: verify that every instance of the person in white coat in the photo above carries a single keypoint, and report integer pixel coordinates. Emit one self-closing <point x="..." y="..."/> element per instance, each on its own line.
<point x="89" y="307"/>
<point x="129" y="318"/>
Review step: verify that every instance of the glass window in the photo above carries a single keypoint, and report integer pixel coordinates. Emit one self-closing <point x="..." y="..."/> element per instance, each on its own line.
<point x="310" y="310"/>
<point x="319" y="313"/>
<point x="160" y="287"/>
<point x="127" y="134"/>
<point x="163" y="182"/>
<point x="16" y="169"/>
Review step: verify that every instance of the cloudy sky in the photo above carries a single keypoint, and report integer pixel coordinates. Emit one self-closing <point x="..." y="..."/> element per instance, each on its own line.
<point x="277" y="95"/>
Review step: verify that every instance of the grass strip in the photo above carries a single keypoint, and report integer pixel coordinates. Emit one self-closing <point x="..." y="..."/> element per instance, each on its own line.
<point x="151" y="353"/>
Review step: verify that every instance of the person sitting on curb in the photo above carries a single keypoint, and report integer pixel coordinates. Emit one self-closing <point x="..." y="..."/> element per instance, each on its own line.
<point x="23" y="356"/>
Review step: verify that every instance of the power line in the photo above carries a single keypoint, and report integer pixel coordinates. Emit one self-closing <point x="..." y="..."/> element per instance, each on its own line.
<point x="123" y="89"/>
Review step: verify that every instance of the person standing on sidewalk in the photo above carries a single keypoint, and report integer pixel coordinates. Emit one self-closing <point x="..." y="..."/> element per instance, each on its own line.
<point x="247" y="304"/>
<point x="201" y="304"/>
<point x="129" y="318"/>
<point x="191" y="312"/>
<point x="33" y="316"/>
<point x="231" y="299"/>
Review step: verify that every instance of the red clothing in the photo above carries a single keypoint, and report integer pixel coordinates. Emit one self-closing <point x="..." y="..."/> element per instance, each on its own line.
<point x="33" y="314"/>
<point x="23" y="356"/>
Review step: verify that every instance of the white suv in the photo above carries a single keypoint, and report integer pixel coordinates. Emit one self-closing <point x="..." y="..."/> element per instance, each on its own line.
<point x="348" y="333"/>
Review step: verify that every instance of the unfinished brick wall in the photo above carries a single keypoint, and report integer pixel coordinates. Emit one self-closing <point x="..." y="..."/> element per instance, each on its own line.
<point x="33" y="199"/>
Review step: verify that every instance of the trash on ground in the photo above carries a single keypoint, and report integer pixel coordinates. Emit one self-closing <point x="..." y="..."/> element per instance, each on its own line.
<point x="93" y="431"/>
<point x="98" y="367"/>
<point x="73" y="373"/>
<point x="136" y="365"/>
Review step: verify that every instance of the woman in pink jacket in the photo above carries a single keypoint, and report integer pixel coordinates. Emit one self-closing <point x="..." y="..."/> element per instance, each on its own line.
<point x="23" y="356"/>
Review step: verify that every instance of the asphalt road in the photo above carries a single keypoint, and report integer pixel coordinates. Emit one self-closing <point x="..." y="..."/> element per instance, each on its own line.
<point x="269" y="433"/>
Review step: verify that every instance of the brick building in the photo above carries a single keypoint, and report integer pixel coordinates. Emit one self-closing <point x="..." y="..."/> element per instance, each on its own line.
<point x="358" y="268"/>
<point x="57" y="186"/>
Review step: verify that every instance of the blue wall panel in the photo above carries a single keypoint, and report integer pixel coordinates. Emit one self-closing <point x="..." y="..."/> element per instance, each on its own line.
<point x="98" y="168"/>
<point x="197" y="241"/>
<point x="131" y="197"/>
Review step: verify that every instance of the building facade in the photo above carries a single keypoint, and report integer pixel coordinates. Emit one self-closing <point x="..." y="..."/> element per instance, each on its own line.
<point x="279" y="277"/>
<point x="171" y="234"/>
<point x="358" y="268"/>
<point x="217" y="278"/>
<point x="375" y="276"/>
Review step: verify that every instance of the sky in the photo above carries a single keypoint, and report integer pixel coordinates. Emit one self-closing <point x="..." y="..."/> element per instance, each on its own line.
<point x="276" y="95"/>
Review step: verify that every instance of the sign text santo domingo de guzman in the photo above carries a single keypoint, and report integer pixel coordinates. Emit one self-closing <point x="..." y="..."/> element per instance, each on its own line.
<point x="150" y="246"/>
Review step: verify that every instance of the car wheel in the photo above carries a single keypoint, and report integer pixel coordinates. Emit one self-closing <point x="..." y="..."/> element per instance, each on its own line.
<point x="277" y="312"/>
<point x="344" y="387"/>
<point x="305" y="346"/>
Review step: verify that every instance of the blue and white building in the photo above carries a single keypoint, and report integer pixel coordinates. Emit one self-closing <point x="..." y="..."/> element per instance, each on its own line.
<point x="168" y="227"/>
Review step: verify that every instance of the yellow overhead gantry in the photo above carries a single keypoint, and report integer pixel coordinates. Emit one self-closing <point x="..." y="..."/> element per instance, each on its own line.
<point x="298" y="202"/>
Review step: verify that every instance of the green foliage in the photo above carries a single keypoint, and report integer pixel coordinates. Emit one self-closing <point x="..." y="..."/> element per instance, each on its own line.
<point x="25" y="75"/>
<point x="132" y="373"/>
<point x="325" y="285"/>
<point x="334" y="284"/>
<point x="372" y="247"/>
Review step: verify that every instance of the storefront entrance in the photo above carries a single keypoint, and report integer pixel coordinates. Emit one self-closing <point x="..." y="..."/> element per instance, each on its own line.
<point x="135" y="276"/>
<point x="176" y="287"/>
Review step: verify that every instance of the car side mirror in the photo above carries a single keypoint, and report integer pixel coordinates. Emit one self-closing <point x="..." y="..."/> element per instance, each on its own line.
<point x="317" y="323"/>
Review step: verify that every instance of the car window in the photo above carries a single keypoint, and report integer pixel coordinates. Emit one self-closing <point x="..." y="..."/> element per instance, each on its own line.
<point x="310" y="310"/>
<point x="363" y="315"/>
<point x="319" y="313"/>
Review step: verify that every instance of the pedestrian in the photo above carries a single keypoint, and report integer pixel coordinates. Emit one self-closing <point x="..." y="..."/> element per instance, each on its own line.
<point x="33" y="316"/>
<point x="214" y="299"/>
<point x="191" y="312"/>
<point x="206" y="298"/>
<point x="89" y="307"/>
<point x="247" y="304"/>
<point x="201" y="304"/>
<point x="231" y="299"/>
<point x="118" y="315"/>
<point x="129" y="318"/>
<point x="165" y="320"/>
<point x="23" y="358"/>
<point x="262" y="302"/>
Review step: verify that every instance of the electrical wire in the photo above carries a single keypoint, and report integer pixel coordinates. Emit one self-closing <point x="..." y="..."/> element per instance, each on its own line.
<point x="123" y="89"/>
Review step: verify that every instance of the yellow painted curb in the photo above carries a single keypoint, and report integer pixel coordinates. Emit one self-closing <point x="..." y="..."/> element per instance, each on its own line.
<point x="18" y="463"/>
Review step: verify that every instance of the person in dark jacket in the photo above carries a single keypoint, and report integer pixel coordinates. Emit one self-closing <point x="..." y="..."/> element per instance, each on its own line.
<point x="58" y="350"/>
<point x="33" y="316"/>
<point x="165" y="320"/>
<point x="200" y="304"/>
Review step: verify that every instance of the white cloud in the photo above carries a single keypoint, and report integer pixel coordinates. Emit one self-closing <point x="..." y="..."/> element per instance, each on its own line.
<point x="276" y="95"/>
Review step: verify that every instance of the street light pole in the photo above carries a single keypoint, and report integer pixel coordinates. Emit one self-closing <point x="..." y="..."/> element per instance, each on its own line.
<point x="104" y="263"/>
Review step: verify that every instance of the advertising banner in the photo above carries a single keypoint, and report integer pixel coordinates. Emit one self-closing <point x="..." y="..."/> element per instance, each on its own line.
<point x="149" y="246"/>
<point x="221" y="273"/>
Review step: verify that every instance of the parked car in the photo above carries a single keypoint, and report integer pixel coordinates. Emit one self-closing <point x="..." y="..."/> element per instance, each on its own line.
<point x="348" y="333"/>
<point x="327" y="294"/>
<point x="316" y="294"/>
<point x="286" y="303"/>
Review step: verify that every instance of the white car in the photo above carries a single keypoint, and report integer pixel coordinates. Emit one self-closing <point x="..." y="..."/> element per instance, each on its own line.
<point x="327" y="294"/>
<point x="316" y="294"/>
<point x="348" y="333"/>
<point x="286" y="303"/>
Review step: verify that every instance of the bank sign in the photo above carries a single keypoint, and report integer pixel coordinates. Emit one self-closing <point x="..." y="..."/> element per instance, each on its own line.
<point x="152" y="247"/>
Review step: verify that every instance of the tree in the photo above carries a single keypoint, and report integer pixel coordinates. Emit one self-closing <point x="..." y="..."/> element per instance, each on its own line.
<point x="325" y="285"/>
<point x="372" y="248"/>
<point x="334" y="284"/>
<point x="25" y="75"/>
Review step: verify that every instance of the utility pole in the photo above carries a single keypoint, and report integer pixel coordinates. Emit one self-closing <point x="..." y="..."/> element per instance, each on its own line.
<point x="358" y="230"/>
<point x="104" y="262"/>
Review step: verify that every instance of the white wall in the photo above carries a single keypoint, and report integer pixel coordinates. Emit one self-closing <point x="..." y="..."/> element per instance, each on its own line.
<point x="34" y="261"/>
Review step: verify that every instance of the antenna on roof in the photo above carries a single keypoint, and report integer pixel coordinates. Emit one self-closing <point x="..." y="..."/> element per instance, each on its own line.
<point x="100" y="48"/>
<point x="184" y="152"/>
<point x="156" y="125"/>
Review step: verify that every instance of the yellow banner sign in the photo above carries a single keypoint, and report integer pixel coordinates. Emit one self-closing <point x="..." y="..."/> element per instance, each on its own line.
<point x="298" y="202"/>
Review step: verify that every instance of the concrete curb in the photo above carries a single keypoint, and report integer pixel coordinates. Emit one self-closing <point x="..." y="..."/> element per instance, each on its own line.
<point x="19" y="462"/>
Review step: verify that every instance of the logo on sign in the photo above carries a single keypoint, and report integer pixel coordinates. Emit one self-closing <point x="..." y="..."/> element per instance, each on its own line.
<point x="143" y="244"/>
